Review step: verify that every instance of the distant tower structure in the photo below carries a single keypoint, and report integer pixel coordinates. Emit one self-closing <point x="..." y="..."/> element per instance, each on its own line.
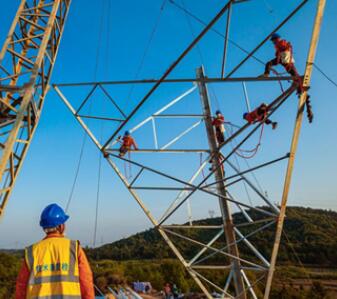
<point x="211" y="213"/>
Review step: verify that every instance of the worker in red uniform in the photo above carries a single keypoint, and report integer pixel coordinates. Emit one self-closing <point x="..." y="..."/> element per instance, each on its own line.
<point x="55" y="267"/>
<point x="260" y="114"/>
<point x="127" y="143"/>
<point x="284" y="56"/>
<point x="218" y="123"/>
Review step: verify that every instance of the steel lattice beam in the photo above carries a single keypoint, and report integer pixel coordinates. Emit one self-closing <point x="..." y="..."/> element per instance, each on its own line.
<point x="295" y="139"/>
<point x="225" y="209"/>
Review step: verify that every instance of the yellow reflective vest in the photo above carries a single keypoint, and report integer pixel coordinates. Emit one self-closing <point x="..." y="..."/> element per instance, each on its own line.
<point x="53" y="266"/>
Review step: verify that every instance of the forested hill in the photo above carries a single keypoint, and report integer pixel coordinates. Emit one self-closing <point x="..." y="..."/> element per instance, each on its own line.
<point x="311" y="232"/>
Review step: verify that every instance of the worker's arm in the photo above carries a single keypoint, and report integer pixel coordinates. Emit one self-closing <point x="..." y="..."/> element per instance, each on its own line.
<point x="22" y="282"/>
<point x="86" y="278"/>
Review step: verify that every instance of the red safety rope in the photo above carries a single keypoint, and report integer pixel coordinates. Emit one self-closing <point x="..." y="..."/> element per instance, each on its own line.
<point x="125" y="170"/>
<point x="127" y="167"/>
<point x="278" y="75"/>
<point x="252" y="152"/>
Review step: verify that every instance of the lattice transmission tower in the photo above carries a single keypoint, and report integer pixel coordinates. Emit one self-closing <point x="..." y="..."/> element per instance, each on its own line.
<point x="179" y="167"/>
<point x="26" y="63"/>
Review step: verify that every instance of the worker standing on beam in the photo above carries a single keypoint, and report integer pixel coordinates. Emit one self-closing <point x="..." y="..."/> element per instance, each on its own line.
<point x="127" y="142"/>
<point x="55" y="267"/>
<point x="284" y="56"/>
<point x="260" y="114"/>
<point x="218" y="123"/>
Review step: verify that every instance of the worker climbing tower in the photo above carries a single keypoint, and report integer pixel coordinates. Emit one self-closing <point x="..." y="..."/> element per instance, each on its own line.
<point x="183" y="166"/>
<point x="26" y="63"/>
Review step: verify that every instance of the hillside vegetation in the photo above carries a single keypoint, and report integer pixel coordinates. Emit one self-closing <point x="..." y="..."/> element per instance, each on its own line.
<point x="311" y="232"/>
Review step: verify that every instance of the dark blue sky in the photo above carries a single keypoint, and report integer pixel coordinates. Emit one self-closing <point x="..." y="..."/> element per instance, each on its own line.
<point x="49" y="168"/>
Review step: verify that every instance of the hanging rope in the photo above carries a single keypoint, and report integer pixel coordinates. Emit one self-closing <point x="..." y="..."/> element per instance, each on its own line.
<point x="107" y="15"/>
<point x="127" y="167"/>
<point x="130" y="166"/>
<point x="237" y="161"/>
<point x="97" y="198"/>
<point x="147" y="48"/>
<point x="251" y="152"/>
<point x="78" y="167"/>
<point x="108" y="34"/>
<point x="189" y="24"/>
<point x="99" y="42"/>
<point x="84" y="138"/>
<point x="246" y="162"/>
<point x="125" y="170"/>
<point x="325" y="75"/>
<point x="196" y="18"/>
<point x="278" y="75"/>
<point x="268" y="6"/>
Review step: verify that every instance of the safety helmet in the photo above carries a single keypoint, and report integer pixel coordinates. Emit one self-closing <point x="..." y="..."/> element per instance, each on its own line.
<point x="244" y="115"/>
<point x="274" y="36"/>
<point x="217" y="112"/>
<point x="127" y="133"/>
<point x="52" y="216"/>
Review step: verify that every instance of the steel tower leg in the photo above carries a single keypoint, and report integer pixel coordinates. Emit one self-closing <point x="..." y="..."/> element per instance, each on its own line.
<point x="26" y="63"/>
<point x="221" y="189"/>
<point x="294" y="142"/>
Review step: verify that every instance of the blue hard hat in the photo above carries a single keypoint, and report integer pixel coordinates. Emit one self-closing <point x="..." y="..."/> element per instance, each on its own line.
<point x="244" y="115"/>
<point x="275" y="36"/>
<point x="53" y="216"/>
<point x="218" y="112"/>
<point x="127" y="133"/>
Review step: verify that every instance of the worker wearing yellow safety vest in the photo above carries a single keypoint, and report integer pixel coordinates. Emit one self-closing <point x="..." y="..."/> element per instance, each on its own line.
<point x="55" y="267"/>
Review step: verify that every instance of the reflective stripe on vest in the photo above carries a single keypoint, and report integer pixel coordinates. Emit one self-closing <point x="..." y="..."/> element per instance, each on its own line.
<point x="57" y="297"/>
<point x="53" y="266"/>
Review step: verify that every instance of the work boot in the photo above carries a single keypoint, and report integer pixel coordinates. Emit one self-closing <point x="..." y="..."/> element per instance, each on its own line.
<point x="274" y="125"/>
